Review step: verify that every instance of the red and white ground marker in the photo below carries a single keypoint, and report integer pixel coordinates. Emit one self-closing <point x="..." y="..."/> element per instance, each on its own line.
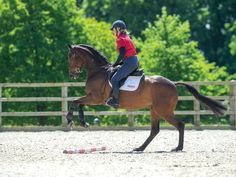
<point x="83" y="150"/>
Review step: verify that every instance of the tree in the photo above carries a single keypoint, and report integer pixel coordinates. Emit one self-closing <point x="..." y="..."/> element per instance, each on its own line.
<point x="231" y="28"/>
<point x="207" y="19"/>
<point x="34" y="38"/>
<point x="137" y="13"/>
<point x="35" y="34"/>
<point x="211" y="33"/>
<point x="33" y="45"/>
<point x="167" y="50"/>
<point x="232" y="44"/>
<point x="99" y="35"/>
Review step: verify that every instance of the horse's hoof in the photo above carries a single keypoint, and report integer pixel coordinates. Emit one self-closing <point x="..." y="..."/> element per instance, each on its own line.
<point x="138" y="149"/>
<point x="70" y="124"/>
<point x="84" y="124"/>
<point x="176" y="149"/>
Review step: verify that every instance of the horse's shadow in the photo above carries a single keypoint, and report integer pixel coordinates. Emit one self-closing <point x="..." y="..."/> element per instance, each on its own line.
<point x="137" y="152"/>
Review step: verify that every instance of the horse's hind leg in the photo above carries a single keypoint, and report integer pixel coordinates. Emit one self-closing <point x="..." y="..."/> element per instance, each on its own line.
<point x="155" y="128"/>
<point x="180" y="127"/>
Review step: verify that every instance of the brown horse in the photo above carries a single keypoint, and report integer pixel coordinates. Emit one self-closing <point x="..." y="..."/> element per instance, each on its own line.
<point x="155" y="92"/>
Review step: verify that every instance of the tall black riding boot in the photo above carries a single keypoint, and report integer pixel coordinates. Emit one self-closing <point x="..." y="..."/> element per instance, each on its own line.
<point x="114" y="100"/>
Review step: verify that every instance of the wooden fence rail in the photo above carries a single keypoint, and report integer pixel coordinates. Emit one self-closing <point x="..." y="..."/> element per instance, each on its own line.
<point x="64" y="99"/>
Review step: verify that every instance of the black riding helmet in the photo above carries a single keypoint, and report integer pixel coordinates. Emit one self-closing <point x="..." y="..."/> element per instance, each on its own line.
<point x="118" y="24"/>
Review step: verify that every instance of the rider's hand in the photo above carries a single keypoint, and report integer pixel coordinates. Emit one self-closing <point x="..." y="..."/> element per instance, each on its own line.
<point x="115" y="64"/>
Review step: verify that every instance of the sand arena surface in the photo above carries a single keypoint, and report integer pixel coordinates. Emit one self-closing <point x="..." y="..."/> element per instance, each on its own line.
<point x="210" y="153"/>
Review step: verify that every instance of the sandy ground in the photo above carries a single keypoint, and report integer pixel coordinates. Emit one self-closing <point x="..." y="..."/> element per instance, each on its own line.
<point x="39" y="154"/>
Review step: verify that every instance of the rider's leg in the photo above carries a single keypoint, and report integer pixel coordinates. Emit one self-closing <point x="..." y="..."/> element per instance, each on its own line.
<point x="114" y="100"/>
<point x="130" y="64"/>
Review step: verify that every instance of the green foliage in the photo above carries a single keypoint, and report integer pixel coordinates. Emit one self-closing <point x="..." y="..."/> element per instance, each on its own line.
<point x="168" y="51"/>
<point x="232" y="45"/>
<point x="207" y="19"/>
<point x="99" y="35"/>
<point x="34" y="38"/>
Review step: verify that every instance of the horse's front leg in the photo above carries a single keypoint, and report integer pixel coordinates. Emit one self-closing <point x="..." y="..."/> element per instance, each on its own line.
<point x="81" y="117"/>
<point x="69" y="115"/>
<point x="90" y="99"/>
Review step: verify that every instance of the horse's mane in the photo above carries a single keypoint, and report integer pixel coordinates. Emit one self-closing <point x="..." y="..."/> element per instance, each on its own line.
<point x="96" y="53"/>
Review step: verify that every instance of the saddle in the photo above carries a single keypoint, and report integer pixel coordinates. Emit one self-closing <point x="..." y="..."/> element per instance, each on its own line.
<point x="131" y="82"/>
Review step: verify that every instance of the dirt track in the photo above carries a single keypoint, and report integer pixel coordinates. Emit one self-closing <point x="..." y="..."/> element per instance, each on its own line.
<point x="206" y="153"/>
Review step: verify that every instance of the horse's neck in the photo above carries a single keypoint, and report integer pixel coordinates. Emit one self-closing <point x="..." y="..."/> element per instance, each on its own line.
<point x="94" y="69"/>
<point x="93" y="72"/>
<point x="96" y="80"/>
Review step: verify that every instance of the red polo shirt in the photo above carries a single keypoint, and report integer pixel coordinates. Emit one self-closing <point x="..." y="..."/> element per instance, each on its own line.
<point x="124" y="40"/>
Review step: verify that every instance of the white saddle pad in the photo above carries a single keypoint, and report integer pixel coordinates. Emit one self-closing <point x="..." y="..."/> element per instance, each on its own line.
<point x="131" y="83"/>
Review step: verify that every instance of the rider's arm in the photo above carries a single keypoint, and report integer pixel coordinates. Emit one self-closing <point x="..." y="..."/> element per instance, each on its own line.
<point x="121" y="56"/>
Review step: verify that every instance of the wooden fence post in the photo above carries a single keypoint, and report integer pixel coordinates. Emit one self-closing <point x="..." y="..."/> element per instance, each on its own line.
<point x="196" y="104"/>
<point x="0" y="106"/>
<point x="130" y="120"/>
<point x="64" y="105"/>
<point x="233" y="103"/>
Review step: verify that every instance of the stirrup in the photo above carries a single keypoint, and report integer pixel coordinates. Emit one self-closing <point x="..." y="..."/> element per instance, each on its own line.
<point x="113" y="102"/>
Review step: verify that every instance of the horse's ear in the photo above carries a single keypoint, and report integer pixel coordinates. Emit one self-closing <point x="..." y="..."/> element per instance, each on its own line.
<point x="70" y="46"/>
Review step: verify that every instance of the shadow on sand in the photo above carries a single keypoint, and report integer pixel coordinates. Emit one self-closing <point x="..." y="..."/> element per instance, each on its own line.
<point x="135" y="152"/>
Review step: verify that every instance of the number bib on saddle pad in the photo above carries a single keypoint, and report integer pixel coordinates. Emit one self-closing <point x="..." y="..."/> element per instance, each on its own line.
<point x="132" y="82"/>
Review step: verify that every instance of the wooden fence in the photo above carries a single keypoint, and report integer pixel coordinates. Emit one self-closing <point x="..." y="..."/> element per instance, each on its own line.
<point x="64" y="99"/>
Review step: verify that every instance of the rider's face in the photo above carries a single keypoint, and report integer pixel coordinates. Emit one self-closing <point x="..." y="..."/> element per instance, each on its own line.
<point x="116" y="31"/>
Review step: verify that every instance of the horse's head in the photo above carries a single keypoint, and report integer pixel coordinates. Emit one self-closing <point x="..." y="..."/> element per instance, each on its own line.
<point x="85" y="56"/>
<point x="75" y="62"/>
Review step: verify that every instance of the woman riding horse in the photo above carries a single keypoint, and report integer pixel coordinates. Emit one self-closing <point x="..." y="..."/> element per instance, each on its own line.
<point x="155" y="92"/>
<point x="127" y="56"/>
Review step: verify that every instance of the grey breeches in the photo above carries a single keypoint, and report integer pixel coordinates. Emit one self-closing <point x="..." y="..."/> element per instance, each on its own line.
<point x="129" y="65"/>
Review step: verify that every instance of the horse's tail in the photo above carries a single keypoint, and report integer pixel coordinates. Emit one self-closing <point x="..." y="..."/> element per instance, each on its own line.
<point x="217" y="107"/>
